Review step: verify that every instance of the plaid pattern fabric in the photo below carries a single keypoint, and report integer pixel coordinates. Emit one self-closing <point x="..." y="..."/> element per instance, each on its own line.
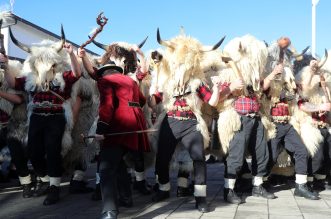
<point x="281" y="109"/>
<point x="4" y="117"/>
<point x="246" y="105"/>
<point x="50" y="103"/>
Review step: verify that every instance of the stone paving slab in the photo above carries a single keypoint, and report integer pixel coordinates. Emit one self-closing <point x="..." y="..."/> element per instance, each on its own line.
<point x="80" y="206"/>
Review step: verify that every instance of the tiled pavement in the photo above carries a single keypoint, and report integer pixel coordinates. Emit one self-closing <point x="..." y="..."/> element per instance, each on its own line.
<point x="285" y="206"/>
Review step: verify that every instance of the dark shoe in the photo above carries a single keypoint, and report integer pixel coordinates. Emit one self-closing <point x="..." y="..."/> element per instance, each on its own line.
<point x="160" y="196"/>
<point x="109" y="215"/>
<point x="141" y="187"/>
<point x="319" y="185"/>
<point x="328" y="183"/>
<point x="310" y="188"/>
<point x="231" y="196"/>
<point x="201" y="204"/>
<point x="260" y="191"/>
<point x="156" y="187"/>
<point x="27" y="190"/>
<point x="302" y="190"/>
<point x="96" y="196"/>
<point x="125" y="202"/>
<point x="53" y="195"/>
<point x="184" y="192"/>
<point x="76" y="187"/>
<point x="41" y="188"/>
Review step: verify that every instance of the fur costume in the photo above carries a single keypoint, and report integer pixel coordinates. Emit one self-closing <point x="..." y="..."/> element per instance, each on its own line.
<point x="250" y="55"/>
<point x="42" y="57"/>
<point x="309" y="131"/>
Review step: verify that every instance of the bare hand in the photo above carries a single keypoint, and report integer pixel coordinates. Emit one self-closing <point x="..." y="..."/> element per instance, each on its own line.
<point x="99" y="137"/>
<point x="3" y="58"/>
<point x="325" y="107"/>
<point x="236" y="85"/>
<point x="68" y="47"/>
<point x="81" y="52"/>
<point x="279" y="69"/>
<point x="313" y="66"/>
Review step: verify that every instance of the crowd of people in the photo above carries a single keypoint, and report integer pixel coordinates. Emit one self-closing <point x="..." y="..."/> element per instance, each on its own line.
<point x="61" y="108"/>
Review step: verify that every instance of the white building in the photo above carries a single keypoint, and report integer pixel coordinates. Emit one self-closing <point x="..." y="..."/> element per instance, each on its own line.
<point x="28" y="33"/>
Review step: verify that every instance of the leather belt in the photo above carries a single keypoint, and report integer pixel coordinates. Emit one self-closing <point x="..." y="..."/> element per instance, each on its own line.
<point x="133" y="104"/>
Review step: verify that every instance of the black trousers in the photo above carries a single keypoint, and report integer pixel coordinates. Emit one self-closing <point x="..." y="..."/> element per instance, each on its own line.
<point x="321" y="162"/>
<point x="138" y="158"/>
<point x="19" y="157"/>
<point x="251" y="136"/>
<point x="173" y="131"/>
<point x="44" y="144"/>
<point x="288" y="137"/>
<point x="114" y="178"/>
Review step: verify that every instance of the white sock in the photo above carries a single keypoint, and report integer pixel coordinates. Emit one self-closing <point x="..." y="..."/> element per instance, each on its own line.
<point x="140" y="176"/>
<point x="319" y="176"/>
<point x="79" y="175"/>
<point x="44" y="178"/>
<point x="310" y="179"/>
<point x="301" y="179"/>
<point x="97" y="178"/>
<point x="257" y="180"/>
<point x="164" y="187"/>
<point x="55" y="181"/>
<point x="229" y="183"/>
<point x="200" y="190"/>
<point x="182" y="182"/>
<point x="25" y="179"/>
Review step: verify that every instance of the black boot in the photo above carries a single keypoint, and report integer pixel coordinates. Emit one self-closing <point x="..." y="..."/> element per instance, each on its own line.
<point x="260" y="191"/>
<point x="184" y="192"/>
<point x="141" y="187"/>
<point x="96" y="196"/>
<point x="230" y="196"/>
<point x="302" y="190"/>
<point x="125" y="202"/>
<point x="27" y="190"/>
<point x="319" y="185"/>
<point x="79" y="187"/>
<point x="41" y="188"/>
<point x="53" y="195"/>
<point x="156" y="187"/>
<point x="109" y="215"/>
<point x="201" y="204"/>
<point x="160" y="196"/>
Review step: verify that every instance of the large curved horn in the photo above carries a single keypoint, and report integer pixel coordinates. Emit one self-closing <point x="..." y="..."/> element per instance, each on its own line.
<point x="140" y="45"/>
<point x="302" y="53"/>
<point x="322" y="62"/>
<point x="100" y="45"/>
<point x="17" y="43"/>
<point x="63" y="40"/>
<point x="163" y="42"/>
<point x="208" y="48"/>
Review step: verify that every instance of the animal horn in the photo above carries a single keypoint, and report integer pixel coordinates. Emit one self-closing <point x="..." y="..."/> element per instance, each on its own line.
<point x="17" y="43"/>
<point x="63" y="40"/>
<point x="299" y="56"/>
<point x="163" y="42"/>
<point x="140" y="45"/>
<point x="322" y="62"/>
<point x="218" y="44"/>
<point x="100" y="45"/>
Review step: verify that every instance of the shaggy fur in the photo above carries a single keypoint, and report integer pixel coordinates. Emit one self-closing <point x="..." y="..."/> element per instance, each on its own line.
<point x="250" y="55"/>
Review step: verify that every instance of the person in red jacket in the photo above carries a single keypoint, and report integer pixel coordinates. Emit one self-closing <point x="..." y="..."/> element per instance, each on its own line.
<point x="119" y="111"/>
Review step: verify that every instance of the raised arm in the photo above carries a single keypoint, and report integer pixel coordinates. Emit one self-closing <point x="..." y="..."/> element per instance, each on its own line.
<point x="74" y="62"/>
<point x="306" y="83"/>
<point x="86" y="62"/>
<point x="267" y="81"/>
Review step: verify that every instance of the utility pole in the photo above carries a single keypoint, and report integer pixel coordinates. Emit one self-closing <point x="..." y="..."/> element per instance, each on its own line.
<point x="313" y="27"/>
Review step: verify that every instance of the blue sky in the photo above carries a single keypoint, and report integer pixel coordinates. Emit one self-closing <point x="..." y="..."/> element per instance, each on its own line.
<point x="206" y="20"/>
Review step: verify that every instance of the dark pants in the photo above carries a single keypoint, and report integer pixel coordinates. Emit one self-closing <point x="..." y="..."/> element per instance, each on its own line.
<point x="19" y="157"/>
<point x="173" y="131"/>
<point x="251" y="136"/>
<point x="45" y="142"/>
<point x="138" y="158"/>
<point x="321" y="162"/>
<point x="289" y="138"/>
<point x="114" y="178"/>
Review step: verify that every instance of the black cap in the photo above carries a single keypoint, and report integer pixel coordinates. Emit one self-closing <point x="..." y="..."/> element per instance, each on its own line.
<point x="109" y="65"/>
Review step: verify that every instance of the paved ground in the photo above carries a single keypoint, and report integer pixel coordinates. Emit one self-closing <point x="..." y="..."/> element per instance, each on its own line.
<point x="286" y="206"/>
